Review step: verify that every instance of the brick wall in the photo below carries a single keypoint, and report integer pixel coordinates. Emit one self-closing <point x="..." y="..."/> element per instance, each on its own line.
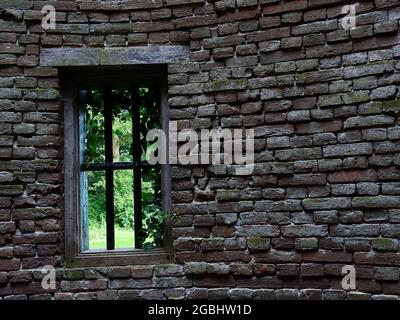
<point x="323" y="102"/>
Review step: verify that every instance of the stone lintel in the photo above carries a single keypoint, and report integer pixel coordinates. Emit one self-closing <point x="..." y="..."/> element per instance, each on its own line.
<point x="68" y="57"/>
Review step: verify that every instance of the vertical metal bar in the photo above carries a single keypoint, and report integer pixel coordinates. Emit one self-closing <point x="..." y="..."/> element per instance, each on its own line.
<point x="137" y="179"/>
<point x="109" y="171"/>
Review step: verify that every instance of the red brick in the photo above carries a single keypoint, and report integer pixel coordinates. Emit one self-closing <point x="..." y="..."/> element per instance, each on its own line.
<point x="352" y="176"/>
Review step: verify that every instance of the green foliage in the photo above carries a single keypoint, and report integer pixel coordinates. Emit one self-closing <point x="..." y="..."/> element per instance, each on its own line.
<point x="122" y="130"/>
<point x="92" y="113"/>
<point x="153" y="216"/>
<point x="96" y="198"/>
<point x="123" y="198"/>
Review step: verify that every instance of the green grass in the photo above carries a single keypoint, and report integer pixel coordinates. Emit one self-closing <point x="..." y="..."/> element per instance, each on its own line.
<point x="124" y="238"/>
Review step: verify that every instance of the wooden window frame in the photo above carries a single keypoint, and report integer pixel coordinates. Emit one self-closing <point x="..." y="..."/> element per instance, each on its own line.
<point x="71" y="79"/>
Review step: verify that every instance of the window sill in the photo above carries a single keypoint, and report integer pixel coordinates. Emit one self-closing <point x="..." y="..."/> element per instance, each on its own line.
<point x="119" y="258"/>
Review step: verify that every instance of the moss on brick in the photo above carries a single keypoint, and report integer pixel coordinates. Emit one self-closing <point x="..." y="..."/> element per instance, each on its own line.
<point x="258" y="243"/>
<point x="391" y="105"/>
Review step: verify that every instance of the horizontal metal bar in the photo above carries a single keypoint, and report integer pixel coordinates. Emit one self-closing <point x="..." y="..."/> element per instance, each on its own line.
<point x="115" y="166"/>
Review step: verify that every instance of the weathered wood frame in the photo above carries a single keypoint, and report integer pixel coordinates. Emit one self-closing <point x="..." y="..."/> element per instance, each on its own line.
<point x="71" y="79"/>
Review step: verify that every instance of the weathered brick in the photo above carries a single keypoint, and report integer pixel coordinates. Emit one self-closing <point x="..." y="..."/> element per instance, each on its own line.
<point x="326" y="203"/>
<point x="376" y="202"/>
<point x="347" y="149"/>
<point x="304" y="231"/>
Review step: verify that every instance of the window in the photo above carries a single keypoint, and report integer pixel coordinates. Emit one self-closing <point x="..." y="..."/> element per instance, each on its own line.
<point x="116" y="203"/>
